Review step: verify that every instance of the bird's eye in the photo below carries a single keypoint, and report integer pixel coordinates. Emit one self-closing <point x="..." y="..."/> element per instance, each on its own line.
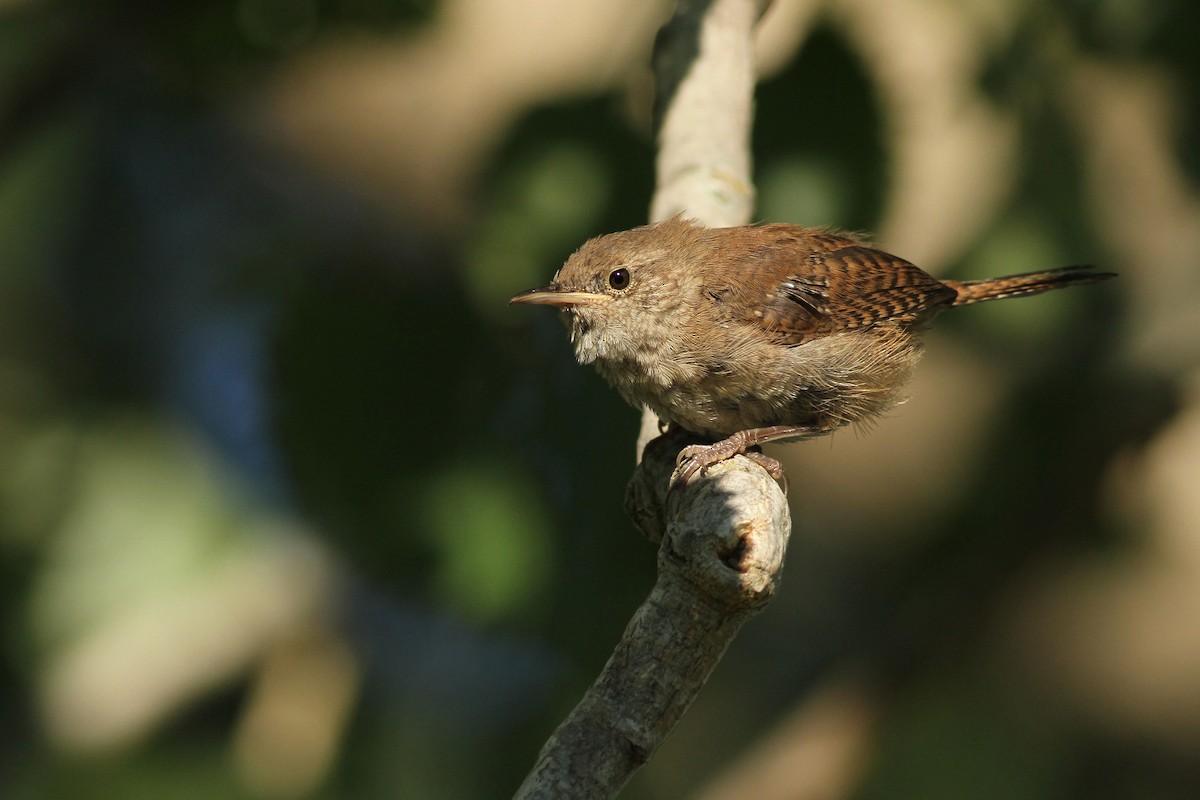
<point x="619" y="279"/>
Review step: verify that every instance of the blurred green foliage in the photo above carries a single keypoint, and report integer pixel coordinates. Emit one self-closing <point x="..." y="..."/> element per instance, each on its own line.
<point x="565" y="188"/>
<point x="492" y="547"/>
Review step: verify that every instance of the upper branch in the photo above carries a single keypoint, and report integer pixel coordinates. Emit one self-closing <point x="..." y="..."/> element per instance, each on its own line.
<point x="704" y="103"/>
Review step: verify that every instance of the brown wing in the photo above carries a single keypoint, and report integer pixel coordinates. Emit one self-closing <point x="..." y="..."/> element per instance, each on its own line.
<point x="819" y="283"/>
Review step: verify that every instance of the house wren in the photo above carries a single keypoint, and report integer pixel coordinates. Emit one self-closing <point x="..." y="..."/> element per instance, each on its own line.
<point x="757" y="334"/>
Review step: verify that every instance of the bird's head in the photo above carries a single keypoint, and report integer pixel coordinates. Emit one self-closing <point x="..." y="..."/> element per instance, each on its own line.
<point x="626" y="293"/>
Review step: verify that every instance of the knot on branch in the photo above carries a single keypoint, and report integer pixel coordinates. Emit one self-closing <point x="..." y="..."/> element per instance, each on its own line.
<point x="725" y="533"/>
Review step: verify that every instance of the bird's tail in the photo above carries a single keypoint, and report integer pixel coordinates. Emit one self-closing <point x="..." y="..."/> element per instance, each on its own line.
<point x="1026" y="283"/>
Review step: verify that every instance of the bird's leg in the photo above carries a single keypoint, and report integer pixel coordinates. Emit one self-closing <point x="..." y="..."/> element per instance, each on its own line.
<point x="697" y="458"/>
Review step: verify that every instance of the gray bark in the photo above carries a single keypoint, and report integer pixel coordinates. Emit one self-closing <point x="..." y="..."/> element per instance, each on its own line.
<point x="722" y="537"/>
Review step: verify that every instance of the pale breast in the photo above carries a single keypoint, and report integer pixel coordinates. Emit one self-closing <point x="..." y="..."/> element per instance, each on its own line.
<point x="826" y="383"/>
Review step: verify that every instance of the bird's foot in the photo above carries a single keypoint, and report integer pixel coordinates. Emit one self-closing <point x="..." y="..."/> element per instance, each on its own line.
<point x="696" y="459"/>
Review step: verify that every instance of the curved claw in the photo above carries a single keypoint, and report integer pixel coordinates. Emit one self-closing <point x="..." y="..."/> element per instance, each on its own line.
<point x="771" y="465"/>
<point x="689" y="462"/>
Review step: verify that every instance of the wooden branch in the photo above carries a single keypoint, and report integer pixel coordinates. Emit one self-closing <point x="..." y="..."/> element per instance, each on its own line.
<point x="704" y="68"/>
<point x="723" y="536"/>
<point x="718" y="564"/>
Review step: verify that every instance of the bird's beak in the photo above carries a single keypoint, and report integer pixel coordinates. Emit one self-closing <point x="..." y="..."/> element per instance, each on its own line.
<point x="557" y="296"/>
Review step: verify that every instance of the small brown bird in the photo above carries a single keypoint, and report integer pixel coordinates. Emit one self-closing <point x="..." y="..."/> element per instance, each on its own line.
<point x="757" y="334"/>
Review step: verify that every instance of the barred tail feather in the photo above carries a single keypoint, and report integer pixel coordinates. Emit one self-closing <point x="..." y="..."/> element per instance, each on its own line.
<point x="1026" y="283"/>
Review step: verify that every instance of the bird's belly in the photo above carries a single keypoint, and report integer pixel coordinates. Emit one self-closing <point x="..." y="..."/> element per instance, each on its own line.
<point x="823" y="384"/>
<point x="719" y="408"/>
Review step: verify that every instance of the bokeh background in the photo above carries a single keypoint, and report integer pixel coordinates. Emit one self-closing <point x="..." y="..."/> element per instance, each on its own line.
<point x="292" y="505"/>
